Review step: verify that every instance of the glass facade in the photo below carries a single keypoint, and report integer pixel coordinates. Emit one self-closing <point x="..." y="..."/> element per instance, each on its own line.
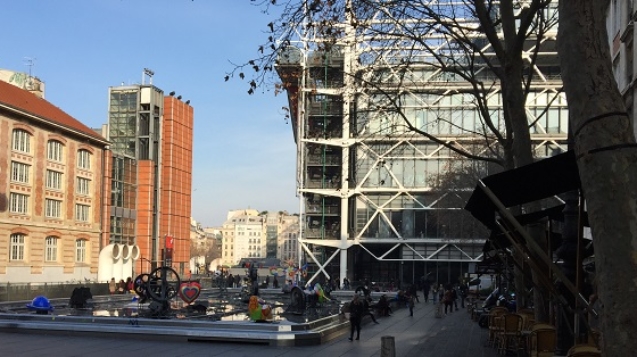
<point x="123" y="121"/>
<point x="376" y="127"/>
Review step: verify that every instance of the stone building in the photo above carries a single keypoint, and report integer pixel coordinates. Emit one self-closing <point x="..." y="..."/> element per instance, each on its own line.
<point x="51" y="184"/>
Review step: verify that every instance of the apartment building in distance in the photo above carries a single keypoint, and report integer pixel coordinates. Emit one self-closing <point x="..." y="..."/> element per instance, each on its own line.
<point x="243" y="236"/>
<point x="250" y="234"/>
<point x="50" y="187"/>
<point x="287" y="239"/>
<point x="151" y="137"/>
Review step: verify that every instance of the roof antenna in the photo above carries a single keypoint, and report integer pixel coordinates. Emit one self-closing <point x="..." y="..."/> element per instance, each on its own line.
<point x="30" y="62"/>
<point x="148" y="73"/>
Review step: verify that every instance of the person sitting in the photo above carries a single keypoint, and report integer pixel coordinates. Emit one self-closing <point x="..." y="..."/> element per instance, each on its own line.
<point x="121" y="286"/>
<point x="383" y="307"/>
<point x="401" y="297"/>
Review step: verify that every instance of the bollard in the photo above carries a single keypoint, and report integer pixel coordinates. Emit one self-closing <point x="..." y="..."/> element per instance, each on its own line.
<point x="387" y="346"/>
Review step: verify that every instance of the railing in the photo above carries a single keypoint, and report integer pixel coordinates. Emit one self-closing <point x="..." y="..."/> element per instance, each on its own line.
<point x="28" y="291"/>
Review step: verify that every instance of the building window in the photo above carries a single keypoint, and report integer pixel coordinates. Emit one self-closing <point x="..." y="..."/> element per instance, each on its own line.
<point x="84" y="159"/>
<point x="83" y="186"/>
<point x="81" y="212"/>
<point x="18" y="203"/>
<point x="52" y="208"/>
<point x="54" y="150"/>
<point x="16" y="250"/>
<point x="21" y="141"/>
<point x="20" y="172"/>
<point x="51" y="249"/>
<point x="53" y="180"/>
<point x="80" y="251"/>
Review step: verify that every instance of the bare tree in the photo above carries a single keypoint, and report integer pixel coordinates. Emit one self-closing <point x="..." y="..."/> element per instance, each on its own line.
<point x="467" y="52"/>
<point x="456" y="183"/>
<point x="606" y="155"/>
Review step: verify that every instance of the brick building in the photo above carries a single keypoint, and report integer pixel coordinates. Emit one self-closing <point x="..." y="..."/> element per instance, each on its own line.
<point x="50" y="187"/>
<point x="151" y="170"/>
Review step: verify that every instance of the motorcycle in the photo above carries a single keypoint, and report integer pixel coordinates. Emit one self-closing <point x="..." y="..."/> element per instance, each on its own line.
<point x="496" y="299"/>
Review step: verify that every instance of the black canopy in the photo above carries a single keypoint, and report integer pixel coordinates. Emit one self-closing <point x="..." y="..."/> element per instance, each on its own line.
<point x="539" y="180"/>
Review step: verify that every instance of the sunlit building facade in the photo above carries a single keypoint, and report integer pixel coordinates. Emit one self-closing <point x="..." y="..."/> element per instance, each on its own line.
<point x="372" y="206"/>
<point x="51" y="181"/>
<point x="151" y="137"/>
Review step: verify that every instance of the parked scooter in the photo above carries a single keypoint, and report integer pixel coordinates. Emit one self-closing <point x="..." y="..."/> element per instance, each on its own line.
<point x="496" y="299"/>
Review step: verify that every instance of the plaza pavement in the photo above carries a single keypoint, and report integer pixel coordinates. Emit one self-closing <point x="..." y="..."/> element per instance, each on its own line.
<point x="422" y="335"/>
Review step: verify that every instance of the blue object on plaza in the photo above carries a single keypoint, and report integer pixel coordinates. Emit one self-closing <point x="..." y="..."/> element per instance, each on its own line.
<point x="40" y="304"/>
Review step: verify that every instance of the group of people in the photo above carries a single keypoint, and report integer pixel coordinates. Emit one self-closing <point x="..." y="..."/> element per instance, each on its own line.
<point x="448" y="296"/>
<point x="235" y="281"/>
<point x="361" y="306"/>
<point x="120" y="287"/>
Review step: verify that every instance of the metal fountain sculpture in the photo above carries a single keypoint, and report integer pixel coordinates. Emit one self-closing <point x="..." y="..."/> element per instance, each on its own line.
<point x="163" y="284"/>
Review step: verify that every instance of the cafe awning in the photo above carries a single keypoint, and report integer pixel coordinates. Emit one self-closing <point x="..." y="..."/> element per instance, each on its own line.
<point x="542" y="179"/>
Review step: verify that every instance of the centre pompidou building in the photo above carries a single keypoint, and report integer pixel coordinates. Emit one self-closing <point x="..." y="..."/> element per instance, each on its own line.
<point x="378" y="107"/>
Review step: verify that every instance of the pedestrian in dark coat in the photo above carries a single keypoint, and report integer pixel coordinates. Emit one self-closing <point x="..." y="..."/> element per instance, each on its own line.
<point x="447" y="299"/>
<point x="356" y="311"/>
<point x="426" y="287"/>
<point x="454" y="296"/>
<point x="367" y="311"/>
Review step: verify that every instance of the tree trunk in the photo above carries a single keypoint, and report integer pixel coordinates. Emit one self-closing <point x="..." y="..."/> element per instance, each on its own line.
<point x="515" y="108"/>
<point x="606" y="154"/>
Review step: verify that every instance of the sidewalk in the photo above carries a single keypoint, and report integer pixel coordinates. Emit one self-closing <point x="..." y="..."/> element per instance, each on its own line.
<point x="454" y="335"/>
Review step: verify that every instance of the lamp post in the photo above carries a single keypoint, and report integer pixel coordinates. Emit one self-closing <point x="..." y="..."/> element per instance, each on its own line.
<point x="150" y="264"/>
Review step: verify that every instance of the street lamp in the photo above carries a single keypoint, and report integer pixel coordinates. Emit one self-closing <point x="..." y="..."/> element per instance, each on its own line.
<point x="146" y="259"/>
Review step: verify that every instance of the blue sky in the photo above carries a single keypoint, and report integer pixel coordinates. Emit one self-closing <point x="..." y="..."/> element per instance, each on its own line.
<point x="244" y="152"/>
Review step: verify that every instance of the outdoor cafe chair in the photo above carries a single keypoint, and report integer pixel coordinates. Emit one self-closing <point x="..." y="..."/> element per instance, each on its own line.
<point x="509" y="336"/>
<point x="594" y="337"/>
<point x="494" y="315"/>
<point x="583" y="351"/>
<point x="542" y="342"/>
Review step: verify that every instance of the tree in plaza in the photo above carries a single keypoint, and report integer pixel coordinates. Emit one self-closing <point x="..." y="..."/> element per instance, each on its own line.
<point x="606" y="153"/>
<point x="457" y="182"/>
<point x="407" y="43"/>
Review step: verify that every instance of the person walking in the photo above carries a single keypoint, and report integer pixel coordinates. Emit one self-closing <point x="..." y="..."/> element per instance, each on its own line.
<point x="367" y="311"/>
<point x="425" y="290"/>
<point x="434" y="293"/>
<point x="447" y="299"/>
<point x="356" y="311"/>
<point x="463" y="293"/>
<point x="410" y="303"/>
<point x="413" y="292"/>
<point x="454" y="297"/>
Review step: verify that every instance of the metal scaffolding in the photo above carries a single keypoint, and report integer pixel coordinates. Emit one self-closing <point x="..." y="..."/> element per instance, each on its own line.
<point x="365" y="180"/>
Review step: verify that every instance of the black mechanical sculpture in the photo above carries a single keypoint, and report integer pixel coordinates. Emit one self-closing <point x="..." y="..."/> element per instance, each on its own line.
<point x="160" y="286"/>
<point x="297" y="301"/>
